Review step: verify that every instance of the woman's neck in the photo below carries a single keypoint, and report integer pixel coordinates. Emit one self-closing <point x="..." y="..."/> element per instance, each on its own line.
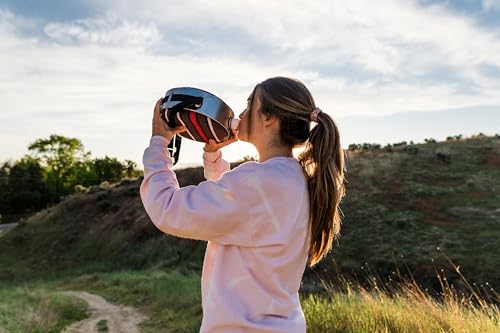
<point x="273" y="151"/>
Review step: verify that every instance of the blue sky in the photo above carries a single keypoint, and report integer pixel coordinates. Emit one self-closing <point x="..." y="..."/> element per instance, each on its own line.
<point x="93" y="69"/>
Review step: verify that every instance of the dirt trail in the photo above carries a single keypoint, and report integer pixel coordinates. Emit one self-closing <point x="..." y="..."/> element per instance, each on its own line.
<point x="119" y="318"/>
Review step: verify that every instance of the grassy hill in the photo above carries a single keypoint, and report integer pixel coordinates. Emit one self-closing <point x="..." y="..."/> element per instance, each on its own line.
<point x="418" y="202"/>
<point x="405" y="205"/>
<point x="409" y="209"/>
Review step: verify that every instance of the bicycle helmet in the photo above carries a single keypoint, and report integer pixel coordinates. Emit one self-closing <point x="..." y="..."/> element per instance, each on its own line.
<point x="204" y="115"/>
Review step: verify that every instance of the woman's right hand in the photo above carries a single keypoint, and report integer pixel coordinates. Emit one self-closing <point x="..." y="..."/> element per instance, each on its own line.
<point x="212" y="146"/>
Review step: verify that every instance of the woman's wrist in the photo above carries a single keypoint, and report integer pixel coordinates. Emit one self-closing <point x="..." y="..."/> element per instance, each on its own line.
<point x="209" y="151"/>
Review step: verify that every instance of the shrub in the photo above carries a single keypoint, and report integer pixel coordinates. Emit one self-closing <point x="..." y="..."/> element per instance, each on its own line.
<point x="480" y="135"/>
<point x="94" y="188"/>
<point x="104" y="184"/>
<point x="353" y="147"/>
<point x="108" y="205"/>
<point x="411" y="150"/>
<point x="80" y="189"/>
<point x="454" y="137"/>
<point x="443" y="157"/>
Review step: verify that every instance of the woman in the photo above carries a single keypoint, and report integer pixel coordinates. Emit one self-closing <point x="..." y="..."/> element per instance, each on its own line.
<point x="264" y="221"/>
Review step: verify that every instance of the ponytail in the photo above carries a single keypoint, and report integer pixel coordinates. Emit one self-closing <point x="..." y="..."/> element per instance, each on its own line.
<point x="323" y="164"/>
<point x="322" y="160"/>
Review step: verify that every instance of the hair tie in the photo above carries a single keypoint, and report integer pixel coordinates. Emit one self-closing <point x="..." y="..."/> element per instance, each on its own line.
<point x="314" y="114"/>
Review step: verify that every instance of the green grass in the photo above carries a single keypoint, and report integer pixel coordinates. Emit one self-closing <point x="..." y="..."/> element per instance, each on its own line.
<point x="401" y="306"/>
<point x="410" y="311"/>
<point x="403" y="204"/>
<point x="102" y="326"/>
<point x="172" y="297"/>
<point x="37" y="309"/>
<point x="173" y="302"/>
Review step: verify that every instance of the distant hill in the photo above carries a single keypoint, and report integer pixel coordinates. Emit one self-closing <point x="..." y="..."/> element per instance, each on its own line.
<point x="404" y="201"/>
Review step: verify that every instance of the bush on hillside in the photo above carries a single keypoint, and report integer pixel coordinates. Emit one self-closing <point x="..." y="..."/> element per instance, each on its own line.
<point x="454" y="137"/>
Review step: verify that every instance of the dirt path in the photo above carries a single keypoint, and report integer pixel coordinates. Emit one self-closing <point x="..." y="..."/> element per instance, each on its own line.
<point x="119" y="318"/>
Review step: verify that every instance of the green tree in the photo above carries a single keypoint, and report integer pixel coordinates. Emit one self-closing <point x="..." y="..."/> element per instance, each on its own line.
<point x="59" y="155"/>
<point x="26" y="187"/>
<point x="56" y="165"/>
<point x="131" y="170"/>
<point x="84" y="173"/>
<point x="4" y="187"/>
<point x="108" y="169"/>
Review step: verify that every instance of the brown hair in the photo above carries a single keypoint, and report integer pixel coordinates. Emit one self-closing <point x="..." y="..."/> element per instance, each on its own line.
<point x="322" y="159"/>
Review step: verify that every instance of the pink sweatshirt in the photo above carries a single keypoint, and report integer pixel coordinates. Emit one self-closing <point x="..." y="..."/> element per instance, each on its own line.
<point x="255" y="219"/>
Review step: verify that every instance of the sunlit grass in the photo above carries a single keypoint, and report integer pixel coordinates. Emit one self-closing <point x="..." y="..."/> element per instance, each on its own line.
<point x="36" y="308"/>
<point x="172" y="300"/>
<point x="402" y="306"/>
<point x="409" y="310"/>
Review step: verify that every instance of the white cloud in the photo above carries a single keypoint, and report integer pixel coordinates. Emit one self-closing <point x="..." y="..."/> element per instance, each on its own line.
<point x="374" y="35"/>
<point x="491" y="4"/>
<point x="102" y="94"/>
<point x="107" y="30"/>
<point x="97" y="78"/>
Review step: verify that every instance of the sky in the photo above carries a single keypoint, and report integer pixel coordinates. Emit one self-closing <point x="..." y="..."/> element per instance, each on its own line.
<point x="386" y="71"/>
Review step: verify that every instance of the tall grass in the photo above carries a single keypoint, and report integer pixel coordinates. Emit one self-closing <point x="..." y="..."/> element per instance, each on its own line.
<point x="402" y="306"/>
<point x="410" y="310"/>
<point x="31" y="308"/>
<point x="173" y="302"/>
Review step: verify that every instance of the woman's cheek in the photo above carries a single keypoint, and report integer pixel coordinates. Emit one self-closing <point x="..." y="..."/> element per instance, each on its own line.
<point x="242" y="133"/>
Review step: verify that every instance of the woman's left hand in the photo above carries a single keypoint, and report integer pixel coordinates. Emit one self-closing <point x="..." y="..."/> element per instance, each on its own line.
<point x="160" y="127"/>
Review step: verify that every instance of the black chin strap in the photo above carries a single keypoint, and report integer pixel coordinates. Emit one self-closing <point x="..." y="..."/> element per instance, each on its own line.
<point x="174" y="105"/>
<point x="175" y="148"/>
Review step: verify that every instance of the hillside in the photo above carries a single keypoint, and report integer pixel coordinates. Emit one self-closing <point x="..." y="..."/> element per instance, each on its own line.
<point x="405" y="201"/>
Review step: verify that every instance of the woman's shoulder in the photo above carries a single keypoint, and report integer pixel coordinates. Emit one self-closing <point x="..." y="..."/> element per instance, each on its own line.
<point x="270" y="165"/>
<point x="275" y="171"/>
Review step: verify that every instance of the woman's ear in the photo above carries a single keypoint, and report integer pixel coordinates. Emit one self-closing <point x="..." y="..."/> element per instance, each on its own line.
<point x="270" y="120"/>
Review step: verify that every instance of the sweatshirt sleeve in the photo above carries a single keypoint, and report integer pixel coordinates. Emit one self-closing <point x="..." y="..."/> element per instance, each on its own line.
<point x="214" y="165"/>
<point x="218" y="211"/>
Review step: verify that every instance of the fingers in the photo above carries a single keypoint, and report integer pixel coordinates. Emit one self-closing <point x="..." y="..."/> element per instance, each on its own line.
<point x="158" y="105"/>
<point x="213" y="144"/>
<point x="156" y="112"/>
<point x="179" y="129"/>
<point x="227" y="142"/>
